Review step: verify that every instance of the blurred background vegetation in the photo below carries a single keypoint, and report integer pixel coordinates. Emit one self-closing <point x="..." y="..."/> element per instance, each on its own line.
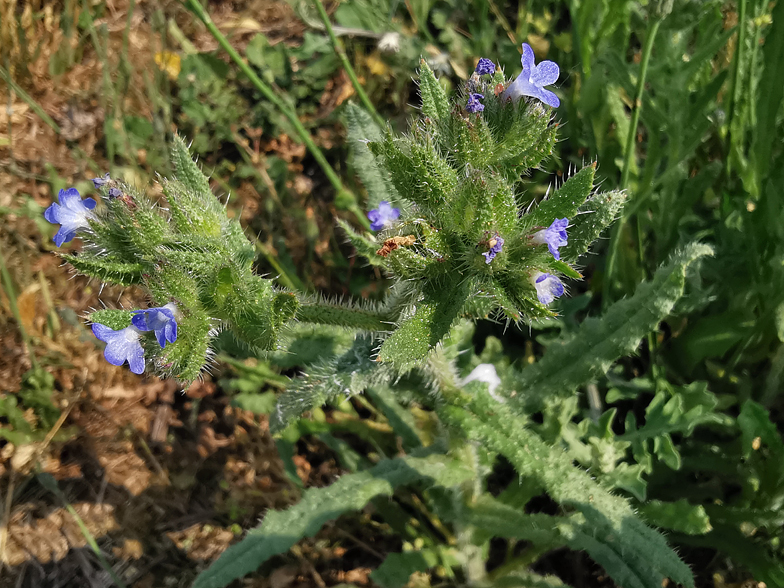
<point x="680" y="103"/>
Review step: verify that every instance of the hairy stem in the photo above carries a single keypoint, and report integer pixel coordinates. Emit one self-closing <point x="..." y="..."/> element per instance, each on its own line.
<point x="332" y="313"/>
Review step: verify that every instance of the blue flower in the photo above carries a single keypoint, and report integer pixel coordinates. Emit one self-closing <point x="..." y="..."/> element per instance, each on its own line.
<point x="382" y="216"/>
<point x="548" y="287"/>
<point x="485" y="66"/>
<point x="161" y="320"/>
<point x="534" y="78"/>
<point x="71" y="214"/>
<point x="554" y="236"/>
<point x="473" y="104"/>
<point x="115" y="193"/>
<point x="100" y="182"/>
<point x="122" y="346"/>
<point x="496" y="244"/>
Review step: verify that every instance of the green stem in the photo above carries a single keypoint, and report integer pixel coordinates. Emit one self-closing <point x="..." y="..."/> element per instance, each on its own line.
<point x="734" y="94"/>
<point x="646" y="57"/>
<point x="628" y="158"/>
<point x="341" y="53"/>
<point x="268" y="93"/>
<point x="326" y="313"/>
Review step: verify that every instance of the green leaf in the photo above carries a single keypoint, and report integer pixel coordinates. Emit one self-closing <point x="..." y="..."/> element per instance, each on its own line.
<point x="190" y="175"/>
<point x="414" y="338"/>
<point x="282" y="529"/>
<point x="397" y="568"/>
<point x="565" y="201"/>
<point x="435" y="103"/>
<point x="362" y="129"/>
<point x="635" y="555"/>
<point x="334" y="377"/>
<point x="117" y="272"/>
<point x="677" y="516"/>
<point x="365" y="245"/>
<point x="595" y="215"/>
<point x="599" y="342"/>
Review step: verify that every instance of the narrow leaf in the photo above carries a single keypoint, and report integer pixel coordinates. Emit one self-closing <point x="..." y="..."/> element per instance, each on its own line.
<point x="361" y="130"/>
<point x="595" y="215"/>
<point x="599" y="342"/>
<point x="435" y="103"/>
<point x="118" y="272"/>
<point x="566" y="200"/>
<point x="282" y="529"/>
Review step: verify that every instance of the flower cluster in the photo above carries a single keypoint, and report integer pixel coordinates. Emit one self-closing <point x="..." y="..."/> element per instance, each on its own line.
<point x="125" y="344"/>
<point x="74" y="214"/>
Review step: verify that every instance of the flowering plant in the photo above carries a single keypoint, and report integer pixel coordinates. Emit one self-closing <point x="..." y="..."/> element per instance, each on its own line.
<point x="454" y="227"/>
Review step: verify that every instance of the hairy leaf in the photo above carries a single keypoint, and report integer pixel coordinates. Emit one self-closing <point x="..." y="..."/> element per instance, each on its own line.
<point x="433" y="316"/>
<point x="343" y="376"/>
<point x="565" y="201"/>
<point x="118" y="272"/>
<point x="435" y="103"/>
<point x="361" y="130"/>
<point x="595" y="215"/>
<point x="635" y="555"/>
<point x="599" y="342"/>
<point x="282" y="529"/>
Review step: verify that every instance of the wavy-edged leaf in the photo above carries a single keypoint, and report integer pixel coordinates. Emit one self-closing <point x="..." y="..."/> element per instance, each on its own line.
<point x="595" y="215"/>
<point x="601" y="341"/>
<point x="566" y="200"/>
<point x="677" y="516"/>
<point x="633" y="553"/>
<point x="335" y="377"/>
<point x="282" y="529"/>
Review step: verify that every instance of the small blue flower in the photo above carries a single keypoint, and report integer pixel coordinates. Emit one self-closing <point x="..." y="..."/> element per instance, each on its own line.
<point x="554" y="236"/>
<point x="473" y="104"/>
<point x="382" y="216"/>
<point x="496" y="244"/>
<point x="122" y="346"/>
<point x="534" y="78"/>
<point x="484" y="67"/>
<point x="161" y="320"/>
<point x="72" y="214"/>
<point x="548" y="287"/>
<point x="115" y="193"/>
<point x="100" y="182"/>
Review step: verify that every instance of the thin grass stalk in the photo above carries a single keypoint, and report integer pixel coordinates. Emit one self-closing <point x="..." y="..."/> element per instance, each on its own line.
<point x="34" y="106"/>
<point x="268" y="93"/>
<point x="628" y="157"/>
<point x="341" y="53"/>
<point x="735" y="88"/>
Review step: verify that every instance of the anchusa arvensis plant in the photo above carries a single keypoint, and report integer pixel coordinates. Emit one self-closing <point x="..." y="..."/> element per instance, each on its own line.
<point x="455" y="227"/>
